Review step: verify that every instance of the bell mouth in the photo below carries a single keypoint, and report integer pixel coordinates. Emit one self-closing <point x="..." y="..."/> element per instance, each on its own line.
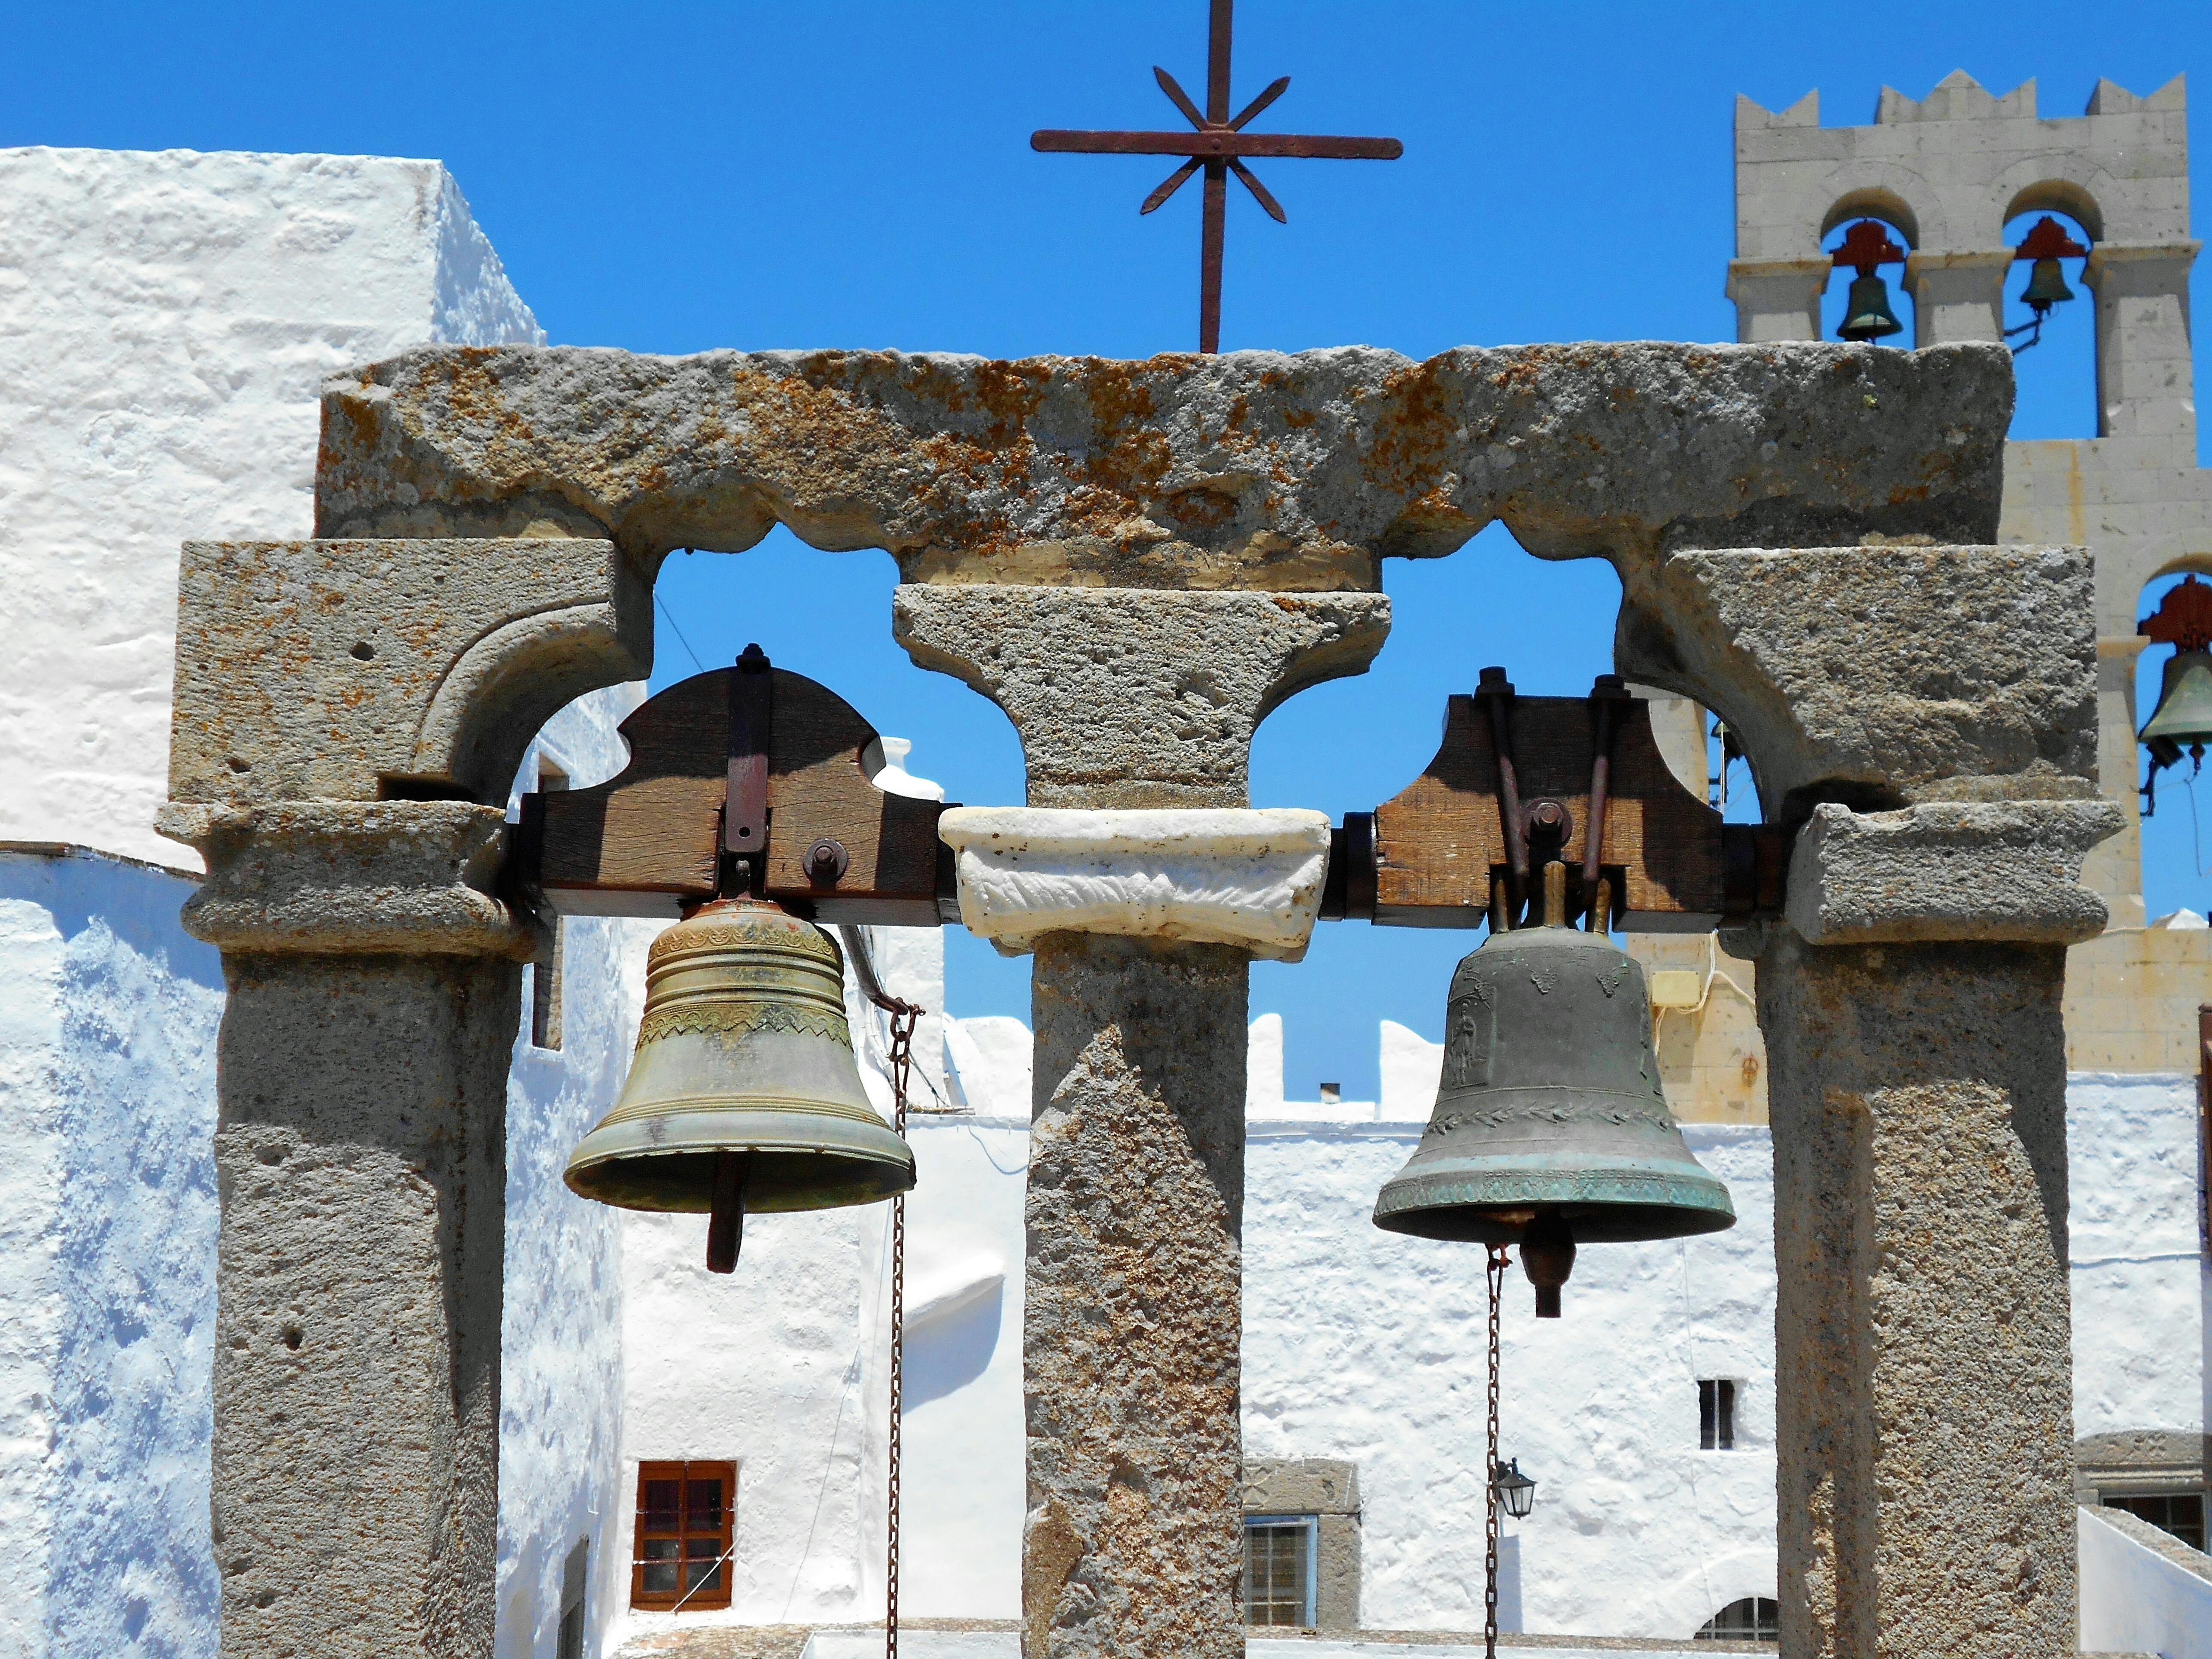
<point x="1602" y="1206"/>
<point x="779" y="1181"/>
<point x="1591" y="1224"/>
<point x="820" y="1157"/>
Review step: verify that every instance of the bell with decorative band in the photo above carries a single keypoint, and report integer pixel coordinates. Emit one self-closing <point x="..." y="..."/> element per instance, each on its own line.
<point x="744" y="1094"/>
<point x="1550" y="1127"/>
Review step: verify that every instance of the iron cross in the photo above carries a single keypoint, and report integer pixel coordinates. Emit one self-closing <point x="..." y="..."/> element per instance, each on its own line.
<point x="1219" y="144"/>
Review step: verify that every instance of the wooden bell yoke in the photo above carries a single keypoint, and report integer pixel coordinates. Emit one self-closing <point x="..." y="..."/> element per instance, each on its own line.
<point x="753" y="779"/>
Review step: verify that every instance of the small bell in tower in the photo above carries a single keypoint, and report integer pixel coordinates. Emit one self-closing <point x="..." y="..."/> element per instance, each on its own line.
<point x="1551" y="1128"/>
<point x="744" y="1094"/>
<point x="2183" y="719"/>
<point x="1867" y="315"/>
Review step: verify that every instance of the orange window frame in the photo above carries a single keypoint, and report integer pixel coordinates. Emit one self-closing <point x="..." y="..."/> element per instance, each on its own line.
<point x="686" y="1516"/>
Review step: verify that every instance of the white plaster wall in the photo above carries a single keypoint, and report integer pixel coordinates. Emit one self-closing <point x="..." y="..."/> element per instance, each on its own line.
<point x="2134" y="1600"/>
<point x="561" y="1340"/>
<point x="964" y="1484"/>
<point x="107" y="1215"/>
<point x="165" y="320"/>
<point x="1366" y="1345"/>
<point x="2141" y="1287"/>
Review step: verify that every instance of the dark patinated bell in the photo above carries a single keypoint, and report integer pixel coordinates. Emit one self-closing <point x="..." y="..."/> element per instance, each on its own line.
<point x="2183" y="719"/>
<point x="1867" y="315"/>
<point x="1550" y="1129"/>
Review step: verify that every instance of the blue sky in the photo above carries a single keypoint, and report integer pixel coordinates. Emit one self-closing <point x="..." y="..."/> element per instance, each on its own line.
<point x="673" y="178"/>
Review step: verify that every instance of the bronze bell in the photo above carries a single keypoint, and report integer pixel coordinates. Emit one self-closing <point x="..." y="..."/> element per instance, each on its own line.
<point x="2046" y="286"/>
<point x="744" y="1094"/>
<point x="1550" y="1127"/>
<point x="1867" y="315"/>
<point x="2183" y="719"/>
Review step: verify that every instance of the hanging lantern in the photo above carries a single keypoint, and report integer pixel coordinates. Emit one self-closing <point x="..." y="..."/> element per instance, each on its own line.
<point x="1551" y="1128"/>
<point x="1515" y="1492"/>
<point x="744" y="1094"/>
<point x="1867" y="314"/>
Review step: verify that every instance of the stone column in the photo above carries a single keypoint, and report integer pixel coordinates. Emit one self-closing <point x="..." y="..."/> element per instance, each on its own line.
<point x="1923" y="1364"/>
<point x="1132" y="1326"/>
<point x="2115" y="868"/>
<point x="2145" y="375"/>
<point x="374" y="990"/>
<point x="1910" y="999"/>
<point x="1957" y="296"/>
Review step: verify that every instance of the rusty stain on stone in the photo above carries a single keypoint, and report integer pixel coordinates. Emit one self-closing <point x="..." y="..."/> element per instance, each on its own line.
<point x="1256" y="469"/>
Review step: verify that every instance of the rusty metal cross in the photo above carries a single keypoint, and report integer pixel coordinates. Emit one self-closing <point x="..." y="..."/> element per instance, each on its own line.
<point x="1219" y="144"/>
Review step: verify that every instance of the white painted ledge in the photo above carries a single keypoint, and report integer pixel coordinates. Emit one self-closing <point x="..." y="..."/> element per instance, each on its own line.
<point x="1216" y="875"/>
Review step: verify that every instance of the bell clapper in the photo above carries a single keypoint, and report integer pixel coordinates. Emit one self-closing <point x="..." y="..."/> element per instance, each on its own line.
<point x="725" y="1227"/>
<point x="1547" y="1256"/>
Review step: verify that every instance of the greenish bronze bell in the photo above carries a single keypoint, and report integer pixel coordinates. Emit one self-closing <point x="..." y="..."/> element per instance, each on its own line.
<point x="2046" y="286"/>
<point x="744" y="1096"/>
<point x="1550" y="1127"/>
<point x="1867" y="315"/>
<point x="2183" y="719"/>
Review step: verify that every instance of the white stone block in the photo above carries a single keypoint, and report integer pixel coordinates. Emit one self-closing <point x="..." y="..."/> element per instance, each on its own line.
<point x="1208" y="875"/>
<point x="1412" y="1070"/>
<point x="1263" y="1067"/>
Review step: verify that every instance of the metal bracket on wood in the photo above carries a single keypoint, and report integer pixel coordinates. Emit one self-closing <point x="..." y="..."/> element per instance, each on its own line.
<point x="1576" y="779"/>
<point x="748" y="779"/>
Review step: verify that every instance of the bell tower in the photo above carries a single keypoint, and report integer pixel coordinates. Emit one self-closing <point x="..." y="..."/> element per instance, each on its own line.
<point x="1947" y="174"/>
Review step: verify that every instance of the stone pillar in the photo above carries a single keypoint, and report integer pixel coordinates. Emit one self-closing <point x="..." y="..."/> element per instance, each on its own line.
<point x="1779" y="299"/>
<point x="1909" y="999"/>
<point x="1917" y="1086"/>
<point x="1131" y="1326"/>
<point x="1923" y="1372"/>
<point x="374" y="989"/>
<point x="1957" y="296"/>
<point x="2115" y="868"/>
<point x="2145" y="378"/>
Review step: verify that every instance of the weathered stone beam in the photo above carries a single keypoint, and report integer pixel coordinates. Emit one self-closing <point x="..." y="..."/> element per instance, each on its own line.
<point x="1253" y="470"/>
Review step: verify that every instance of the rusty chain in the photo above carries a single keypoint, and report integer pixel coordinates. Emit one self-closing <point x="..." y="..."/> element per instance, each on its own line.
<point x="1496" y="1275"/>
<point x="903" y="1016"/>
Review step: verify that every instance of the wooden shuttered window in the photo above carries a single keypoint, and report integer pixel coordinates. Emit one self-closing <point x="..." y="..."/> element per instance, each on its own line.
<point x="685" y="1512"/>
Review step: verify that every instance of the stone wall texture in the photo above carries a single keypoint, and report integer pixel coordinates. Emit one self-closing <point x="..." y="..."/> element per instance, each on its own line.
<point x="1134" y="1544"/>
<point x="1263" y="470"/>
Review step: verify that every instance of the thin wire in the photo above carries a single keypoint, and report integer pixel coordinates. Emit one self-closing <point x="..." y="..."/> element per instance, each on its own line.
<point x="1496" y="1275"/>
<point x="2196" y="850"/>
<point x="679" y="632"/>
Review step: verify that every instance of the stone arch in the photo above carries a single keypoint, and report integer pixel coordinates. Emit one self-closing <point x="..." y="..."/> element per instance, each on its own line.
<point x="2055" y="184"/>
<point x="1873" y="202"/>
